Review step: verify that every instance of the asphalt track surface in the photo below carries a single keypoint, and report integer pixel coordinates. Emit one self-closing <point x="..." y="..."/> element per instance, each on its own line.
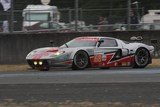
<point x="57" y="76"/>
<point x="60" y="85"/>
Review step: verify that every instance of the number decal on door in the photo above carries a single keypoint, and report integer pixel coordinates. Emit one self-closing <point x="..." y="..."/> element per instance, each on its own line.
<point x="98" y="58"/>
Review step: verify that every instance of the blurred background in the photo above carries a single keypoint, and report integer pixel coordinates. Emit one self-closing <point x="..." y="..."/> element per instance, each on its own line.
<point x="78" y="15"/>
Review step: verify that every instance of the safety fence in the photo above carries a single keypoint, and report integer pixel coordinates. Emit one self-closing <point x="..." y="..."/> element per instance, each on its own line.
<point x="63" y="20"/>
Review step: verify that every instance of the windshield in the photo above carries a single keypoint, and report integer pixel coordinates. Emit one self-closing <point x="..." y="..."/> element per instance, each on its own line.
<point x="37" y="16"/>
<point x="81" y="42"/>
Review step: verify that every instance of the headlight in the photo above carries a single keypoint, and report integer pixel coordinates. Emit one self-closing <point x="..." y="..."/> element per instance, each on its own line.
<point x="35" y="62"/>
<point x="59" y="53"/>
<point x="40" y="62"/>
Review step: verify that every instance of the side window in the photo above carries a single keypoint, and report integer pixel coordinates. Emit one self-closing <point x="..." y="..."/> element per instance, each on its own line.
<point x="109" y="43"/>
<point x="44" y="25"/>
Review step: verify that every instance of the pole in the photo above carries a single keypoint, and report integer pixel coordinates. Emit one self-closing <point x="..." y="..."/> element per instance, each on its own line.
<point x="76" y="15"/>
<point x="129" y="18"/>
<point x="142" y="15"/>
<point x="70" y="15"/>
<point x="136" y="3"/>
<point x="138" y="15"/>
<point x="81" y="14"/>
<point x="11" y="18"/>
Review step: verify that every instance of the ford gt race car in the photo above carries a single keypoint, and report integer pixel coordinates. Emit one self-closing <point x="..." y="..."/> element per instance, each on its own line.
<point x="83" y="52"/>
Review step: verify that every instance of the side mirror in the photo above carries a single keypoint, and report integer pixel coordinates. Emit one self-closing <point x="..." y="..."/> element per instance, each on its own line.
<point x="51" y="42"/>
<point x="100" y="41"/>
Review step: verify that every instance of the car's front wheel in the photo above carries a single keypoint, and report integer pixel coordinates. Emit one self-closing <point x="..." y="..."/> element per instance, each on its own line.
<point x="80" y="60"/>
<point x="141" y="58"/>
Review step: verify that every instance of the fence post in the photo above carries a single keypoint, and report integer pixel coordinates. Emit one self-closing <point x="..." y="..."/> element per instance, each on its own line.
<point x="128" y="17"/>
<point x="70" y="15"/>
<point x="81" y="14"/>
<point x="11" y="23"/>
<point x="76" y="15"/>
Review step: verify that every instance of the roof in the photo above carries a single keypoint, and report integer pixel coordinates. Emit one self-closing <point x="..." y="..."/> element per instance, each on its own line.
<point x="151" y="17"/>
<point x="95" y="37"/>
<point x="40" y="7"/>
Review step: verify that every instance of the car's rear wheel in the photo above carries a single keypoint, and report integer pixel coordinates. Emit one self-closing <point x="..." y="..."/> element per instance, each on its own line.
<point x="80" y="60"/>
<point x="141" y="58"/>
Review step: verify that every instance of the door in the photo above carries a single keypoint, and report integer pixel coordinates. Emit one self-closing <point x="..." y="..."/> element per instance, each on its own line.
<point x="110" y="53"/>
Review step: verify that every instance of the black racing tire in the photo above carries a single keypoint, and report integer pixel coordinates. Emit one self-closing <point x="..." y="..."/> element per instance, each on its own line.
<point x="141" y="58"/>
<point x="80" y="61"/>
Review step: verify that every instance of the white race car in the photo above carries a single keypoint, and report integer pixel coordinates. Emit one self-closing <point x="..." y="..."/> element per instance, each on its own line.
<point x="101" y="52"/>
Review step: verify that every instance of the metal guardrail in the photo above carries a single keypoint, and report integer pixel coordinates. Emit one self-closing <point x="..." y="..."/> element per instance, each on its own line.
<point x="89" y="16"/>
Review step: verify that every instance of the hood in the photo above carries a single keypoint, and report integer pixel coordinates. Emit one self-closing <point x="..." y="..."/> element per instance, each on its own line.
<point x="43" y="53"/>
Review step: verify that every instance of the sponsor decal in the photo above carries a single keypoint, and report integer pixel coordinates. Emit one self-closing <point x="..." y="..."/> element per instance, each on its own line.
<point x="103" y="64"/>
<point x="112" y="59"/>
<point x="128" y="63"/>
<point x="69" y="62"/>
<point x="116" y="64"/>
<point x="98" y="58"/>
<point x="104" y="57"/>
<point x="124" y="63"/>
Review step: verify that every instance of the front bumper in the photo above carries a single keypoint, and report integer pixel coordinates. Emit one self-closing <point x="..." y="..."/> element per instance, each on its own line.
<point x="49" y="63"/>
